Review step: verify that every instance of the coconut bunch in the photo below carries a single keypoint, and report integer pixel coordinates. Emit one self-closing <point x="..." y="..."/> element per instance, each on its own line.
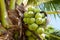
<point x="35" y="24"/>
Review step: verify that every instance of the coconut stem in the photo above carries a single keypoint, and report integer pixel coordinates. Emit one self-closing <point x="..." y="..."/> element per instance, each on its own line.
<point x="3" y="14"/>
<point x="12" y="4"/>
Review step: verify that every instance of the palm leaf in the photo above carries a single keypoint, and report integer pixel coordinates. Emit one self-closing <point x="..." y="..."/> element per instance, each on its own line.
<point x="51" y="6"/>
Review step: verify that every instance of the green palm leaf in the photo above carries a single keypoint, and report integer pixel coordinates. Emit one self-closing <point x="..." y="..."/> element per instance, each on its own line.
<point x="51" y="6"/>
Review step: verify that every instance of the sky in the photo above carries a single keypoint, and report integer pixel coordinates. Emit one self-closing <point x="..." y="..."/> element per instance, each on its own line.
<point x="55" y="22"/>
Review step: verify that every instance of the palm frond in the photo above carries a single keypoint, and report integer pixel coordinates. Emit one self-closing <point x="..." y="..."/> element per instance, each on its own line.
<point x="51" y="6"/>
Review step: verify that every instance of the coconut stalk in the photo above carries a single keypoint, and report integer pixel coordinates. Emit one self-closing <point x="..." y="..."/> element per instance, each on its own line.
<point x="19" y="2"/>
<point x="12" y="4"/>
<point x="3" y="14"/>
<point x="53" y="35"/>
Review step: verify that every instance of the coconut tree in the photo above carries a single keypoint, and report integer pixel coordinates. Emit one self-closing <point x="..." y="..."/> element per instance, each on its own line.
<point x="11" y="15"/>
